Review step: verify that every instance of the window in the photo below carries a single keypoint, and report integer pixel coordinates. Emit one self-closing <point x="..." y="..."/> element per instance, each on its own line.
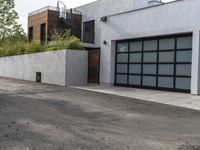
<point x="122" y="68"/>
<point x="166" y="69"/>
<point x="88" y="31"/>
<point x="149" y="69"/>
<point x="184" y="56"/>
<point x="122" y="58"/>
<point x="136" y="57"/>
<point x="30" y="34"/>
<point x="183" y="83"/>
<point x="183" y="69"/>
<point x="135" y="80"/>
<point x="135" y="68"/>
<point x="121" y="79"/>
<point x="150" y="57"/>
<point x="166" y="82"/>
<point x="43" y="32"/>
<point x="122" y="47"/>
<point x="150" y="45"/>
<point x="184" y="43"/>
<point x="136" y="46"/>
<point x="166" y="57"/>
<point x="167" y="44"/>
<point x="149" y="81"/>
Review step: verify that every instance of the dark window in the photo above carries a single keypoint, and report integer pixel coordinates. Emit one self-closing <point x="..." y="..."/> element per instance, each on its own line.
<point x="30" y="33"/>
<point x="88" y="32"/>
<point x="43" y="32"/>
<point x="157" y="62"/>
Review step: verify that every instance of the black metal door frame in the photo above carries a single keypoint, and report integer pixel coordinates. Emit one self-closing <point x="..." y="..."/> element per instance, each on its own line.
<point x="157" y="63"/>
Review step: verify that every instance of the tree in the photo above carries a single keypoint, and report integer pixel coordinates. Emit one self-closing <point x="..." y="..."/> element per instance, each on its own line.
<point x="8" y="19"/>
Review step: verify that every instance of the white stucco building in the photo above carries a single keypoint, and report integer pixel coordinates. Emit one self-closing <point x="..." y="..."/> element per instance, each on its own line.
<point x="145" y="44"/>
<point x="141" y="43"/>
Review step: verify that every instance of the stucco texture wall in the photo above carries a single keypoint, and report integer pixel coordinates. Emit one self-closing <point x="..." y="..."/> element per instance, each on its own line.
<point x="55" y="67"/>
<point x="104" y="8"/>
<point x="76" y="67"/>
<point x="172" y="18"/>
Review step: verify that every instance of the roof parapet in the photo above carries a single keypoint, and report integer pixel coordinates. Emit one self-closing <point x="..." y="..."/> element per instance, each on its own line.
<point x="73" y="11"/>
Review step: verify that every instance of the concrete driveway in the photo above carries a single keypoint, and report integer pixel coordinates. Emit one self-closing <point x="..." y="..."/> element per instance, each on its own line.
<point x="44" y="117"/>
<point x="179" y="99"/>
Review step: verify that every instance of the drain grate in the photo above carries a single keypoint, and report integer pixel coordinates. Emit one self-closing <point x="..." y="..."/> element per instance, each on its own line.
<point x="190" y="147"/>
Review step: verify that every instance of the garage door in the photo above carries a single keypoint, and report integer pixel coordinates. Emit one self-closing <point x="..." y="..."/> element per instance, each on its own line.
<point x="160" y="62"/>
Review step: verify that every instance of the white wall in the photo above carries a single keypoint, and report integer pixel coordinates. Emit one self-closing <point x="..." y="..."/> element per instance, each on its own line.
<point x="195" y="83"/>
<point x="172" y="18"/>
<point x="59" y="67"/>
<point x="98" y="9"/>
<point x="76" y="67"/>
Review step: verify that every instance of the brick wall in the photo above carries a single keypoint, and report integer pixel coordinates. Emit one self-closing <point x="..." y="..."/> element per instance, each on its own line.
<point x="52" y="20"/>
<point x="35" y="21"/>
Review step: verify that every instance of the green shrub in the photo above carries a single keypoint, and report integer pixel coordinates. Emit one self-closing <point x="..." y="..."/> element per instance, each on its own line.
<point x="74" y="43"/>
<point x="10" y="46"/>
<point x="33" y="47"/>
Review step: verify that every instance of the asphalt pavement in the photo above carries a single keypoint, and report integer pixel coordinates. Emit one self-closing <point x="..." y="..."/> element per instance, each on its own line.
<point x="46" y="117"/>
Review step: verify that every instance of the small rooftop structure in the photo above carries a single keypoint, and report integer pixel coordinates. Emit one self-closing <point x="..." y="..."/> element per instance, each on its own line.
<point x="42" y="22"/>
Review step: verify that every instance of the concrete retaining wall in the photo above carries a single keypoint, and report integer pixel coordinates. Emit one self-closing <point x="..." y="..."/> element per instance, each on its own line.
<point x="64" y="67"/>
<point x="76" y="67"/>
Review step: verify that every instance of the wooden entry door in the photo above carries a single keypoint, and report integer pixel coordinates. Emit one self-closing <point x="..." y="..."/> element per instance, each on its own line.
<point x="93" y="66"/>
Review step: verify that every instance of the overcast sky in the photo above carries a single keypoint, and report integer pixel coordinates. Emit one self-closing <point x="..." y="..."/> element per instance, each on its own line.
<point x="23" y="7"/>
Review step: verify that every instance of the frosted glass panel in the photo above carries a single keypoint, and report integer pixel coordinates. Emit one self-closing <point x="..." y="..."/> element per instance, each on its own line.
<point x="150" y="57"/>
<point x="184" y="56"/>
<point x="166" y="82"/>
<point x="135" y="80"/>
<point x="184" y="70"/>
<point x="150" y="45"/>
<point x="149" y="81"/>
<point x="183" y="83"/>
<point x="121" y="79"/>
<point x="166" y="69"/>
<point x="149" y="69"/>
<point x="121" y="68"/>
<point x="166" y="57"/>
<point x="184" y="42"/>
<point x="135" y="68"/>
<point x="165" y="44"/>
<point x="136" y="57"/>
<point x="136" y="46"/>
<point x="122" y="57"/>
<point x="122" y="47"/>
